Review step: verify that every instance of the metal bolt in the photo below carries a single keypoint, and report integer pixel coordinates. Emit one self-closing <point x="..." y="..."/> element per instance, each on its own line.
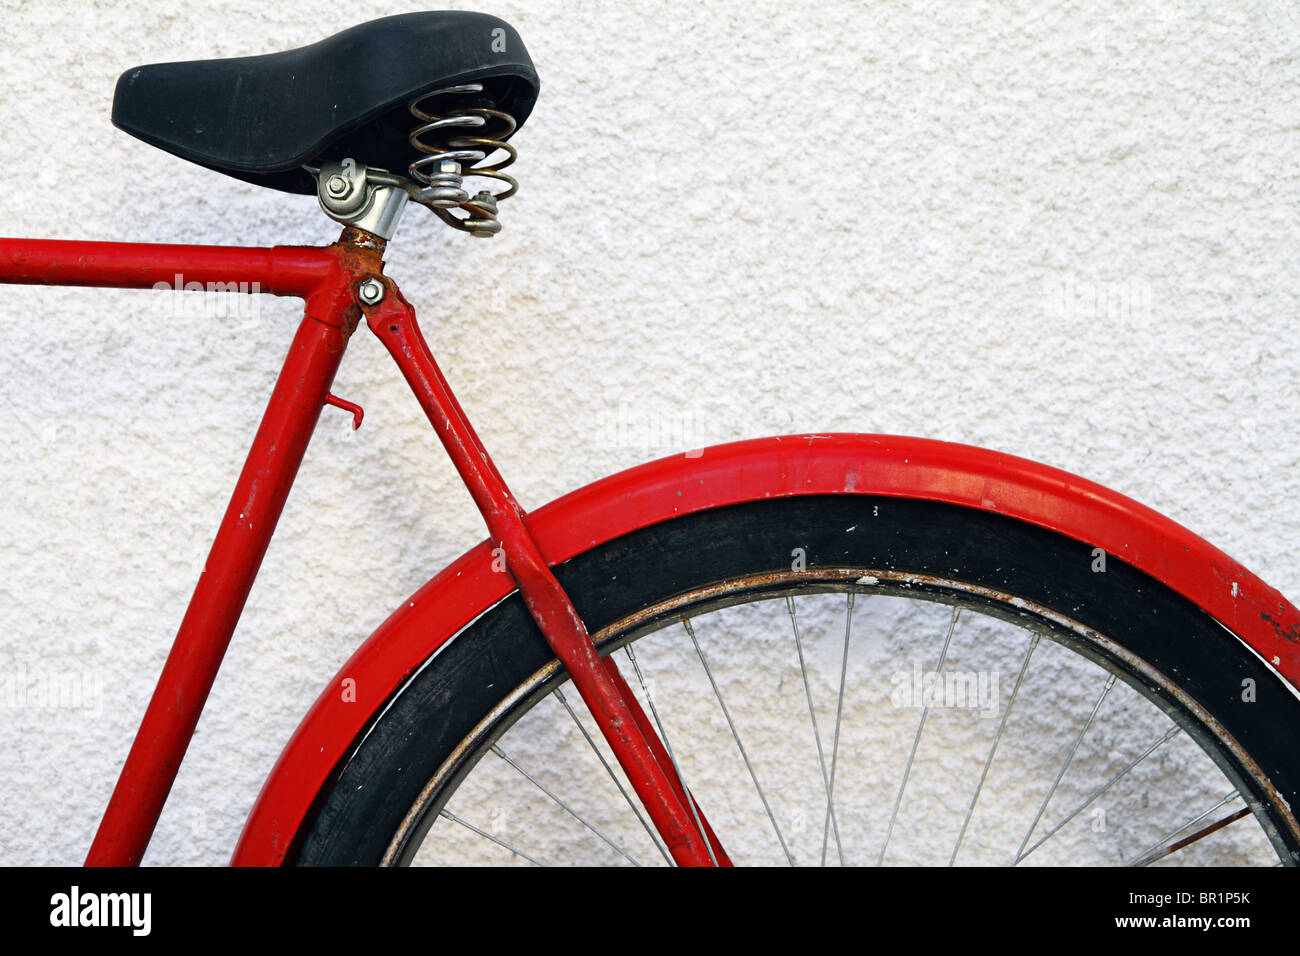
<point x="487" y="223"/>
<point x="445" y="185"/>
<point x="371" y="292"/>
<point x="337" y="186"/>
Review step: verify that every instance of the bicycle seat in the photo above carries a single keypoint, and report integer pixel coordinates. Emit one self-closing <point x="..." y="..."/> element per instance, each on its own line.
<point x="260" y="118"/>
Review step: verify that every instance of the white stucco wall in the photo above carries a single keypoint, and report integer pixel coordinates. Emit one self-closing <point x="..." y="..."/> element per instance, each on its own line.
<point x="735" y="219"/>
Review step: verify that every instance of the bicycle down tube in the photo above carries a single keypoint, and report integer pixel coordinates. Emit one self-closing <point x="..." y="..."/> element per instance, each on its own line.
<point x="328" y="280"/>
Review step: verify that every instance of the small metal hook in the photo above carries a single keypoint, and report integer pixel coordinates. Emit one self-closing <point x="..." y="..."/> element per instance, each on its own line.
<point x="355" y="409"/>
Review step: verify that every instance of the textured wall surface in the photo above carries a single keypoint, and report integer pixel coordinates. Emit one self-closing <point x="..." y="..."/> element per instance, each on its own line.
<point x="1065" y="230"/>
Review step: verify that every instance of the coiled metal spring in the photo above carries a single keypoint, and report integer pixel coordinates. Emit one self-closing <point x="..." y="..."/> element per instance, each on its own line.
<point x="446" y="161"/>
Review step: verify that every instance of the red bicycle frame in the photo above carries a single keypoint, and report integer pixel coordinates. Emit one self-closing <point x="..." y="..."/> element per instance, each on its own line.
<point x="328" y="280"/>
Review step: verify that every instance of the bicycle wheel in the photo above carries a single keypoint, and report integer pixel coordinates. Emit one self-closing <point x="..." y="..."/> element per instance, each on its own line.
<point x="846" y="679"/>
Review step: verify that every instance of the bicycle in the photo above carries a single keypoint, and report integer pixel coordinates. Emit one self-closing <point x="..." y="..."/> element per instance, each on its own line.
<point x="813" y="528"/>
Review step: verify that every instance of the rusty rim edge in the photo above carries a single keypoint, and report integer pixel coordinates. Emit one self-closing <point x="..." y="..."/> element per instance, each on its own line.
<point x="1140" y="675"/>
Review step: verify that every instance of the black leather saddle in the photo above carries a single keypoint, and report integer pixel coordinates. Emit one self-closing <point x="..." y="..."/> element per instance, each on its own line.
<point x="260" y="118"/>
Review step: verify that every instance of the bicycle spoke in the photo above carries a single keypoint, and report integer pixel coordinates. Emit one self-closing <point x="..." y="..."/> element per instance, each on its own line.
<point x="1202" y="833"/>
<point x="488" y="836"/>
<point x="1169" y="735"/>
<point x="1161" y="847"/>
<point x="686" y="622"/>
<point x="563" y="806"/>
<point x="1098" y="777"/>
<point x="812" y="714"/>
<point x="1006" y="714"/>
<point x="835" y="740"/>
<point x="612" y="776"/>
<point x="654" y="713"/>
<point x="1069" y="758"/>
<point x="916" y="740"/>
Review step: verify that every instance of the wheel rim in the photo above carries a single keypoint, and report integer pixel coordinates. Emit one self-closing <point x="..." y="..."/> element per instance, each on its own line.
<point x="909" y="824"/>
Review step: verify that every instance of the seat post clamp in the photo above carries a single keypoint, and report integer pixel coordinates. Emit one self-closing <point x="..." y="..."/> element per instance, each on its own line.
<point x="354" y="195"/>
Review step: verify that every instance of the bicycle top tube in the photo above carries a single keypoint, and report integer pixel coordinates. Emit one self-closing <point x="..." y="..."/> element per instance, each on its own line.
<point x="278" y="270"/>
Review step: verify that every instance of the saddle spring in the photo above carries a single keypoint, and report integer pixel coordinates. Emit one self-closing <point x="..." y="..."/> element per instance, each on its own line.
<point x="446" y="160"/>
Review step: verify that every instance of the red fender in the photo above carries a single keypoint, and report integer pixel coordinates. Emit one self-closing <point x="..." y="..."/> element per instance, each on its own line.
<point x="746" y="471"/>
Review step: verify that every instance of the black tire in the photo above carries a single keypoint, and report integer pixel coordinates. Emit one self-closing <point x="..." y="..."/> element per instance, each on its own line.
<point x="1154" y="630"/>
